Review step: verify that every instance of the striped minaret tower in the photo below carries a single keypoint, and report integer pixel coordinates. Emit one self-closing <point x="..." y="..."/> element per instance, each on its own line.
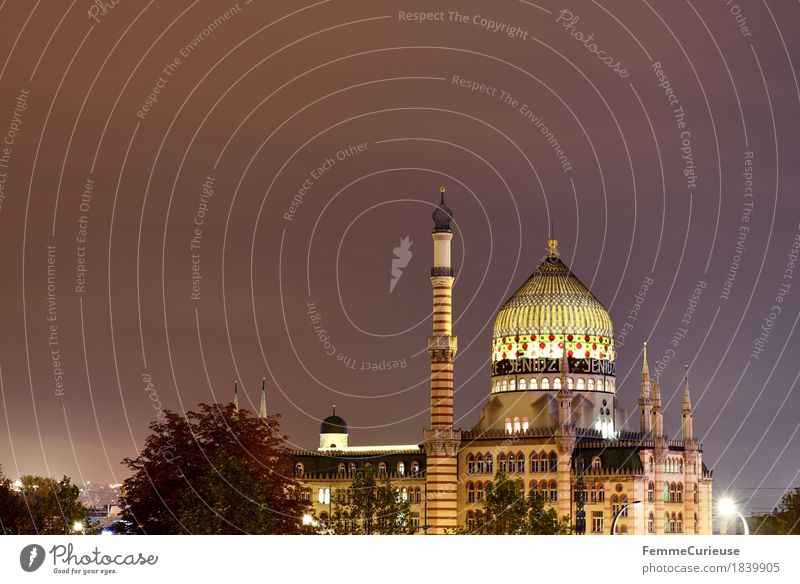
<point x="441" y="439"/>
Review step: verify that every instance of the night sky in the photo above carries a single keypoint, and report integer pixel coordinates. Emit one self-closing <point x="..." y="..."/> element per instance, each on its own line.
<point x="188" y="188"/>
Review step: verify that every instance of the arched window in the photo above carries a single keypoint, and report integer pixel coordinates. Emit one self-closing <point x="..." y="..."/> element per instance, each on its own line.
<point x="504" y="385"/>
<point x="470" y="464"/>
<point x="651" y="492"/>
<point x="623" y="500"/>
<point x="581" y="383"/>
<point x="508" y="426"/>
<point x="533" y="383"/>
<point x="543" y="488"/>
<point x="480" y="464"/>
<point x="341" y="469"/>
<point x="401" y="468"/>
<point x="534" y="487"/>
<point x="696" y="493"/>
<point x="522" y="384"/>
<point x="520" y="462"/>
<point x="525" y="425"/>
<point x="590" y="384"/>
<point x="650" y="523"/>
<point x="553" y="462"/>
<point x="512" y="385"/>
<point x="614" y="505"/>
<point x="534" y="462"/>
<point x="679" y="493"/>
<point x="414" y="466"/>
<point x="470" y="493"/>
<point x="479" y="488"/>
<point x="666" y="492"/>
<point x="553" y="491"/>
<point x="672" y="493"/>
<point x="381" y="468"/>
<point x="666" y="522"/>
<point x="545" y="383"/>
<point x="673" y="525"/>
<point x="470" y="520"/>
<point x="679" y="525"/>
<point x="405" y="494"/>
<point x="543" y="462"/>
<point x="593" y="494"/>
<point x="601" y="493"/>
<point x="512" y="462"/>
<point x="351" y="468"/>
<point x="570" y="383"/>
<point x="501" y="463"/>
<point x="596" y="463"/>
<point x="489" y="464"/>
<point x="324" y="496"/>
<point x="298" y="469"/>
<point x="680" y="465"/>
<point x="517" y="424"/>
<point x="557" y="383"/>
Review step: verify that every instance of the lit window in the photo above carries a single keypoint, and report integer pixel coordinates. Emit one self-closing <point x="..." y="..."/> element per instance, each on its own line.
<point x="525" y="424"/>
<point x="589" y="384"/>
<point x="509" y="427"/>
<point x="324" y="496"/>
<point x="512" y="385"/>
<point x="545" y="383"/>
<point x="512" y="463"/>
<point x="504" y="385"/>
<point x="352" y="468"/>
<point x="517" y="425"/>
<point x="522" y="384"/>
<point x="401" y="468"/>
<point x="381" y="468"/>
<point x="596" y="463"/>
<point x="557" y="383"/>
<point x="570" y="383"/>
<point x="597" y="522"/>
<point x="581" y="383"/>
<point x="414" y="467"/>
<point x="533" y="383"/>
<point x="405" y="494"/>
<point x="501" y="463"/>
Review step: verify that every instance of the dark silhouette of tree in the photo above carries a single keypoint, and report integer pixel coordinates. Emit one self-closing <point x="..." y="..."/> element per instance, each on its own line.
<point x="373" y="506"/>
<point x="508" y="511"/>
<point x="213" y="471"/>
<point x="39" y="505"/>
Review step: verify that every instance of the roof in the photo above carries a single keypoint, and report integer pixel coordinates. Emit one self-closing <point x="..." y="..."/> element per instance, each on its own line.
<point x="333" y="425"/>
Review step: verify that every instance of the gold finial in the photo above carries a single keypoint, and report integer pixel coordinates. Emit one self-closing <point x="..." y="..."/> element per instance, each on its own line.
<point x="442" y="189"/>
<point x="552" y="245"/>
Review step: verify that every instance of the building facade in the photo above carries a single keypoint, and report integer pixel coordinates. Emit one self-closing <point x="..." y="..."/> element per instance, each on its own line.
<point x="552" y="418"/>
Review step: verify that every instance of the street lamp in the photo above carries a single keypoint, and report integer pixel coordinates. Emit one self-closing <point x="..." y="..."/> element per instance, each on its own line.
<point x="77" y="527"/>
<point x="727" y="508"/>
<point x="620" y="512"/>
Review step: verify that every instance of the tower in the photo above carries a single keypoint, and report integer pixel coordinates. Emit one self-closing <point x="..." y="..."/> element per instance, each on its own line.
<point x="441" y="440"/>
<point x="645" y="402"/>
<point x="236" y="395"/>
<point x="565" y="438"/>
<point x="686" y="418"/>
<point x="333" y="432"/>
<point x="262" y="409"/>
<point x="658" y="412"/>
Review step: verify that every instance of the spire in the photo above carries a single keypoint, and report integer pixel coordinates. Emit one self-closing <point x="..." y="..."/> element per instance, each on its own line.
<point x="687" y="432"/>
<point x="645" y="401"/>
<point x="552" y="246"/>
<point x="658" y="414"/>
<point x="645" y="373"/>
<point x="236" y="394"/>
<point x="334" y="409"/>
<point x="442" y="216"/>
<point x="262" y="410"/>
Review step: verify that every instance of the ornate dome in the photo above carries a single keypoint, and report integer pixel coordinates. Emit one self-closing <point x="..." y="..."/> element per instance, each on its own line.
<point x="551" y="311"/>
<point x="442" y="216"/>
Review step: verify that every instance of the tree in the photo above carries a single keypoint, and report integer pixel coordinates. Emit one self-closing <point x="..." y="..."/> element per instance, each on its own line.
<point x="508" y="511"/>
<point x="373" y="507"/>
<point x="787" y="515"/>
<point x="217" y="470"/>
<point x="39" y="506"/>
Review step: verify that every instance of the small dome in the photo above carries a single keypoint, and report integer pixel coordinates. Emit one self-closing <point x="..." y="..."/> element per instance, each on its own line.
<point x="333" y="425"/>
<point x="442" y="216"/>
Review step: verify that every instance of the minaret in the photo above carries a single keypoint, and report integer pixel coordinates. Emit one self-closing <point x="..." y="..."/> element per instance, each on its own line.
<point x="262" y="409"/>
<point x="645" y="403"/>
<point x="565" y="436"/>
<point x="441" y="440"/>
<point x="236" y="394"/>
<point x="686" y="420"/>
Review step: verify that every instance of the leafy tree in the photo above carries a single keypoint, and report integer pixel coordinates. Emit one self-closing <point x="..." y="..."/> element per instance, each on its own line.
<point x="213" y="471"/>
<point x="508" y="511"/>
<point x="374" y="507"/>
<point x="788" y="513"/>
<point x="40" y="505"/>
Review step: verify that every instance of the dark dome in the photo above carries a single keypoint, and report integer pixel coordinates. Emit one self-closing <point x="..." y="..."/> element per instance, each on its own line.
<point x="442" y="216"/>
<point x="333" y="425"/>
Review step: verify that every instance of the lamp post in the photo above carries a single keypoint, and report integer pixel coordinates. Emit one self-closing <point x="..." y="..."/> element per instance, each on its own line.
<point x="620" y="512"/>
<point x="727" y="508"/>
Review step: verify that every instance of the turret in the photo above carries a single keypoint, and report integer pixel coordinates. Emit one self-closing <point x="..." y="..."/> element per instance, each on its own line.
<point x="658" y="414"/>
<point x="236" y="394"/>
<point x="262" y="409"/>
<point x="645" y="402"/>
<point x="333" y="432"/>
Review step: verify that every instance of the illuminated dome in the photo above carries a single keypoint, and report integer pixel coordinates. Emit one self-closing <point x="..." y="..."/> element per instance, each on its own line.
<point x="551" y="311"/>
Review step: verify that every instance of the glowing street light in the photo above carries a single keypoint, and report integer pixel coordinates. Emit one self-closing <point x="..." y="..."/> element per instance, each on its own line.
<point x="727" y="508"/>
<point x="77" y="527"/>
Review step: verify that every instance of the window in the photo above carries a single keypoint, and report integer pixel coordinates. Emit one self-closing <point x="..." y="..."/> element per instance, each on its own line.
<point x="673" y="524"/>
<point x="543" y="489"/>
<point x="593" y="494"/>
<point x="470" y="464"/>
<point x="517" y="424"/>
<point x="470" y="520"/>
<point x="520" y="462"/>
<point x="553" y="491"/>
<point x="545" y="383"/>
<point x="597" y="522"/>
<point x="415" y="521"/>
<point x="596" y="463"/>
<point x="512" y="463"/>
<point x="504" y="385"/>
<point x="489" y="464"/>
<point x="298" y="469"/>
<point x="512" y="385"/>
<point x="470" y="493"/>
<point x="666" y="522"/>
<point x="651" y="492"/>
<point x="405" y="494"/>
<point x="673" y="493"/>
<point x="533" y="383"/>
<point x="601" y="493"/>
<point x="534" y="462"/>
<point x="570" y="383"/>
<point x="623" y="501"/>
<point x="324" y="496"/>
<point x="501" y="463"/>
<point x="590" y="385"/>
<point x="401" y="468"/>
<point x="525" y="423"/>
<point x="418" y="493"/>
<point x="414" y="467"/>
<point x="533" y="486"/>
<point x="341" y="469"/>
<point x="696" y="494"/>
<point x="679" y="493"/>
<point x="381" y="468"/>
<point x="666" y="492"/>
<point x="352" y="468"/>
<point x="480" y="464"/>
<point x="557" y="383"/>
<point x="480" y="491"/>
<point x="581" y="383"/>
<point x="553" y="462"/>
<point x="679" y="524"/>
<point x="650" y="523"/>
<point x="615" y="506"/>
<point x="522" y="384"/>
<point x="508" y="426"/>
